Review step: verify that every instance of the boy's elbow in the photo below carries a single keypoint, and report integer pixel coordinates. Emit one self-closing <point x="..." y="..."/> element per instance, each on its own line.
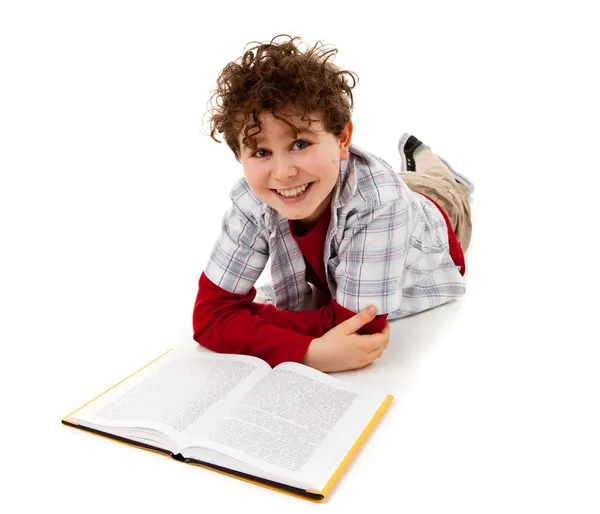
<point x="206" y="340"/>
<point x="214" y="337"/>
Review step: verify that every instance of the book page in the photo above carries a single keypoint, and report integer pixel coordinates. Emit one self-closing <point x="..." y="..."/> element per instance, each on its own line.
<point x="174" y="396"/>
<point x="296" y="422"/>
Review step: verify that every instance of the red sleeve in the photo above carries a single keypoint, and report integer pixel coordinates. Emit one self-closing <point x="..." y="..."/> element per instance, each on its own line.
<point x="373" y="327"/>
<point x="224" y="322"/>
<point x="315" y="323"/>
<point x="231" y="323"/>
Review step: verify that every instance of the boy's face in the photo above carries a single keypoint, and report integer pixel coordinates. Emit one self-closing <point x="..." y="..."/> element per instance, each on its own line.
<point x="295" y="176"/>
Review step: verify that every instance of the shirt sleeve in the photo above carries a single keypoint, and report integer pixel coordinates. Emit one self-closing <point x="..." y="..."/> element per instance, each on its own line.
<point x="224" y="322"/>
<point x="372" y="258"/>
<point x="230" y="323"/>
<point x="240" y="253"/>
<point x="315" y="323"/>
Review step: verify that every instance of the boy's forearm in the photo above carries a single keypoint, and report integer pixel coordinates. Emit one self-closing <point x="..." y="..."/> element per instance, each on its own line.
<point x="341" y="314"/>
<point x="315" y="323"/>
<point x="232" y="323"/>
<point x="310" y="323"/>
<point x="241" y="333"/>
<point x="224" y="322"/>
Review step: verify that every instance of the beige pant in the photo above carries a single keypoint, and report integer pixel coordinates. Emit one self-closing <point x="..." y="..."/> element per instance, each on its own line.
<point x="433" y="179"/>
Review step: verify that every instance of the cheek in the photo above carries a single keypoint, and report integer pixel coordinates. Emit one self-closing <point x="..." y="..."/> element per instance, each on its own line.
<point x="256" y="177"/>
<point x="324" y="166"/>
<point x="333" y="169"/>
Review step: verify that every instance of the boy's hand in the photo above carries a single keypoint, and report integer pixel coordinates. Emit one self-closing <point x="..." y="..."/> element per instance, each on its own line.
<point x="342" y="348"/>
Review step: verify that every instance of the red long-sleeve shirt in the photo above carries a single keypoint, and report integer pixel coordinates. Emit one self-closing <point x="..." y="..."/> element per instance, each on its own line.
<point x="233" y="323"/>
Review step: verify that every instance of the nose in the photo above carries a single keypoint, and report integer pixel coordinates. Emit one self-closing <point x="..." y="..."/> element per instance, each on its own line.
<point x="283" y="169"/>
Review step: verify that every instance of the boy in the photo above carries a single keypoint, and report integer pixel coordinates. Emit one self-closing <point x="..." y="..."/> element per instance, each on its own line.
<point x="326" y="213"/>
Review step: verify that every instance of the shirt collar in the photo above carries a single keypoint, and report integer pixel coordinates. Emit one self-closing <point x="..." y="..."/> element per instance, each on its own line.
<point x="346" y="184"/>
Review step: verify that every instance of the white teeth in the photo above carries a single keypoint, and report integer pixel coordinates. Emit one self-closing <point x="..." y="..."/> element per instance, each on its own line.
<point x="292" y="192"/>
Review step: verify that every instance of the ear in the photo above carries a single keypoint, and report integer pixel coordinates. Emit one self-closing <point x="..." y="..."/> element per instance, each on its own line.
<point x="345" y="139"/>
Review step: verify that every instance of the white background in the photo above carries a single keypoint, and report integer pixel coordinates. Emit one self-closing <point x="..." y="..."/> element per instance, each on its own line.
<point x="111" y="198"/>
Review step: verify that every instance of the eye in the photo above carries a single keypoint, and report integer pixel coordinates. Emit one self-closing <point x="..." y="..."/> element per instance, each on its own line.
<point x="303" y="144"/>
<point x="259" y="153"/>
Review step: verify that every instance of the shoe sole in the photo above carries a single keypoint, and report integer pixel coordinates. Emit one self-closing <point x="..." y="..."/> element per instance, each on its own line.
<point x="461" y="179"/>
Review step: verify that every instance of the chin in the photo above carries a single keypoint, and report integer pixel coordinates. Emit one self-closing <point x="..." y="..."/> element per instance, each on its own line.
<point x="295" y="215"/>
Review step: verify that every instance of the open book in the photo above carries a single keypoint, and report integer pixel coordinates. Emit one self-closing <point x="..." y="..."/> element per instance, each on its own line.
<point x="291" y="427"/>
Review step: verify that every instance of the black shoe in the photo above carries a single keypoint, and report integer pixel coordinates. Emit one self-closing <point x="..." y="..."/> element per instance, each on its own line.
<point x="407" y="146"/>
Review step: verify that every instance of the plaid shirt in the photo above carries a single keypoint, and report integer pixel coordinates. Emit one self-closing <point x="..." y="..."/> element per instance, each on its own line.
<point x="386" y="246"/>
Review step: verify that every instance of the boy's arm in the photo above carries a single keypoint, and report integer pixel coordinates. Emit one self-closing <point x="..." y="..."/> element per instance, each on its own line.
<point x="315" y="323"/>
<point x="223" y="322"/>
<point x="371" y="268"/>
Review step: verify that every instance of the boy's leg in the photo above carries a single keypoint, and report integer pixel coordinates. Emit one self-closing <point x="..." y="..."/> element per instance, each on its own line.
<point x="433" y="179"/>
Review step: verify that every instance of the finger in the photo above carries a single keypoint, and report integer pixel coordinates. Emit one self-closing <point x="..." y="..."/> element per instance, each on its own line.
<point x="385" y="333"/>
<point x="373" y="357"/>
<point x="371" y="341"/>
<point x="379" y="348"/>
<point x="351" y="325"/>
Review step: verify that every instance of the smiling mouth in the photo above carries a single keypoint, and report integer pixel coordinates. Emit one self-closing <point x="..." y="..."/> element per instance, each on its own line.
<point x="293" y="192"/>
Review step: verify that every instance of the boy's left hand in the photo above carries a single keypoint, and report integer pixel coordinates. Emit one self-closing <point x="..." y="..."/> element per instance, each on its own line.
<point x="342" y="348"/>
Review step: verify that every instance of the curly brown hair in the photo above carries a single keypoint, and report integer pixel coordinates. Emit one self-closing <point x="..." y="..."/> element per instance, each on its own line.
<point x="273" y="77"/>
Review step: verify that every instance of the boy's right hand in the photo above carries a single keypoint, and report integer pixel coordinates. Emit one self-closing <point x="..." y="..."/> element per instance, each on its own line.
<point x="342" y="348"/>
